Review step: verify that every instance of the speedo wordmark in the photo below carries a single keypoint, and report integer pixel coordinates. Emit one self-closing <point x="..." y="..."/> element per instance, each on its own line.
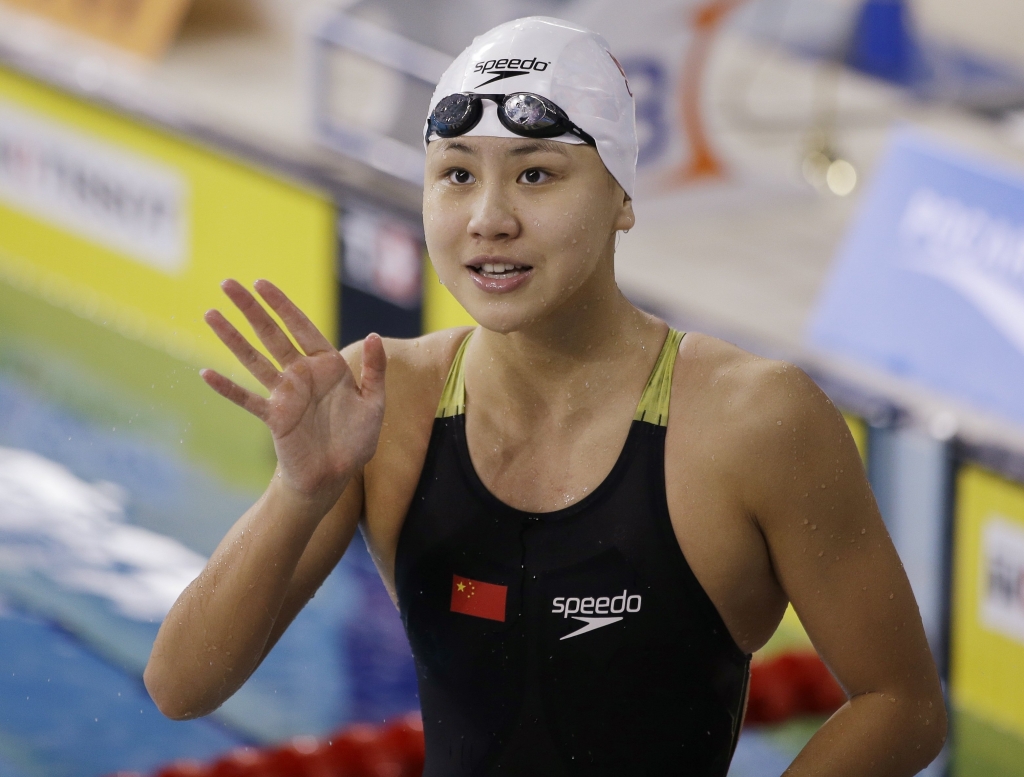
<point x="595" y="611"/>
<point x="508" y="68"/>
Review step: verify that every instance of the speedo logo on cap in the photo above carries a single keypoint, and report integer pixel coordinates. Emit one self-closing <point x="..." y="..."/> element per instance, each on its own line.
<point x="595" y="612"/>
<point x="508" y="68"/>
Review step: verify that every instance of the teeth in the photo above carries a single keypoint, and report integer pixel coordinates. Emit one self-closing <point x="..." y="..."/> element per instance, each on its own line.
<point x="497" y="268"/>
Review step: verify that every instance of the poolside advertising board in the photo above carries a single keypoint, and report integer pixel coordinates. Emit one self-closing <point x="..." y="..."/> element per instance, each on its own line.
<point x="127" y="230"/>
<point x="930" y="282"/>
<point x="987" y="668"/>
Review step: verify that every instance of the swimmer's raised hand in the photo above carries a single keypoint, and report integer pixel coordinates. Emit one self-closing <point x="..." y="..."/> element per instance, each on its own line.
<point x="325" y="426"/>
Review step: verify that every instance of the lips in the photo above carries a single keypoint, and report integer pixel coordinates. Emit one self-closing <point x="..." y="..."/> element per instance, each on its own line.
<point x="497" y="276"/>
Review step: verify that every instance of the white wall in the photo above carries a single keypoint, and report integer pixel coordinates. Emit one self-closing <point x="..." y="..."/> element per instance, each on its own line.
<point x="992" y="26"/>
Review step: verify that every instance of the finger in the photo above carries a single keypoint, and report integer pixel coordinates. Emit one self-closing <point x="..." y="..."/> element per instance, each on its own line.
<point x="228" y="389"/>
<point x="265" y="327"/>
<point x="259" y="365"/>
<point x="305" y="332"/>
<point x="375" y="362"/>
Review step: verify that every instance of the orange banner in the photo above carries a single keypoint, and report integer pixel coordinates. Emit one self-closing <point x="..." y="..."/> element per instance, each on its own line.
<point x="144" y="26"/>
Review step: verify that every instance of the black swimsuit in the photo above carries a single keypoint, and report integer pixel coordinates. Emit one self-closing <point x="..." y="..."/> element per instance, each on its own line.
<point x="575" y="642"/>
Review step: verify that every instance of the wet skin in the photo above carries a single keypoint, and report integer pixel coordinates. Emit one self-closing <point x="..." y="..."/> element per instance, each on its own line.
<point x="766" y="490"/>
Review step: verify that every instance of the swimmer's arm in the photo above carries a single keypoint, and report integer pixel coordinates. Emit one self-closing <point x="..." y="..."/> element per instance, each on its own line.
<point x="264" y="571"/>
<point x="325" y="427"/>
<point x="835" y="560"/>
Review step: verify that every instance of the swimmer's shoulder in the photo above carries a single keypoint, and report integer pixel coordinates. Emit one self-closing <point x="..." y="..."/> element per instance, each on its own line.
<point x="762" y="417"/>
<point x="742" y="391"/>
<point x="417" y="368"/>
<point x="717" y="369"/>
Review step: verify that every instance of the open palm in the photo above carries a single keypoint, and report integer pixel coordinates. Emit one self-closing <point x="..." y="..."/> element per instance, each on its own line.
<point x="325" y="426"/>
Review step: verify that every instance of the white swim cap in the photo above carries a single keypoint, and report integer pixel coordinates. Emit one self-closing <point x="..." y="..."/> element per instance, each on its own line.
<point x="570" y="66"/>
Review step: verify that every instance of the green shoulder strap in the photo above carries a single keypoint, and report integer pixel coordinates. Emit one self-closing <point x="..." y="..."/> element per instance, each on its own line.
<point x="653" y="407"/>
<point x="453" y="398"/>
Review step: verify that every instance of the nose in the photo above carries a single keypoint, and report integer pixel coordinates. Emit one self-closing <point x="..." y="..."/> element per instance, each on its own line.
<point x="493" y="216"/>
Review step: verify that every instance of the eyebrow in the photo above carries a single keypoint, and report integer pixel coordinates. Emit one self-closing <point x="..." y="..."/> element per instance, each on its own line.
<point x="539" y="146"/>
<point x="523" y="149"/>
<point x="455" y="145"/>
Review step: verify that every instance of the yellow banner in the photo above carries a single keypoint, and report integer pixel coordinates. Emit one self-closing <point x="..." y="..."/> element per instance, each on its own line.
<point x="987" y="669"/>
<point x="114" y="237"/>
<point x="440" y="309"/>
<point x="859" y="430"/>
<point x="134" y="228"/>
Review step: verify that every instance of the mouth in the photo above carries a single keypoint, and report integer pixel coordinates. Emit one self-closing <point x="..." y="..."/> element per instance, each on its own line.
<point x="499" y="270"/>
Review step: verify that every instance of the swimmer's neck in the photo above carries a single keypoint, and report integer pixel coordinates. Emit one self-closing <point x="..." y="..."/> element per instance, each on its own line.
<point x="577" y="351"/>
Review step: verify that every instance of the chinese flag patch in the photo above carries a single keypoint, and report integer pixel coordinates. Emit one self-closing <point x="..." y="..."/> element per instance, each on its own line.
<point x="482" y="600"/>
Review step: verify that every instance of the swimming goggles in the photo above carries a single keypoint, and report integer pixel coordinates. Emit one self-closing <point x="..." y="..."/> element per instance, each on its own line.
<point x="523" y="113"/>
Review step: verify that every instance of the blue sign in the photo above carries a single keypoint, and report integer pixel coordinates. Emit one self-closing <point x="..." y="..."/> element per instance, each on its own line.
<point x="930" y="283"/>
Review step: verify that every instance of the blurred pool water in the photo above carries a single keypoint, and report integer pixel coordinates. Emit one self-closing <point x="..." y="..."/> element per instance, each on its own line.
<point x="86" y="579"/>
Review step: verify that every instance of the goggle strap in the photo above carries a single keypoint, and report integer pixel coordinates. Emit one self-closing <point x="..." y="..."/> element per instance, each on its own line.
<point x="499" y="100"/>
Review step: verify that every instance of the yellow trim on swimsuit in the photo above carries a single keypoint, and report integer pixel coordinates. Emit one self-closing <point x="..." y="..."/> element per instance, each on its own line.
<point x="652" y="409"/>
<point x="453" y="397"/>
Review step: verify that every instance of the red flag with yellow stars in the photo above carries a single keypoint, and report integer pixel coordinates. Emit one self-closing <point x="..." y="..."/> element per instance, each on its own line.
<point x="482" y="600"/>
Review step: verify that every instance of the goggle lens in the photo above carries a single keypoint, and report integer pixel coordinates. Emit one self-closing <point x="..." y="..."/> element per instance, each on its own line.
<point x="454" y="115"/>
<point x="529" y="112"/>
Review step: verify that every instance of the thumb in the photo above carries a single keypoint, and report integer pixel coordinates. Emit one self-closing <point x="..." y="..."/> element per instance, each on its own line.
<point x="375" y="362"/>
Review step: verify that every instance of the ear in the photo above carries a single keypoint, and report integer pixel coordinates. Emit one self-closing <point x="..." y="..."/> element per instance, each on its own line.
<point x="625" y="219"/>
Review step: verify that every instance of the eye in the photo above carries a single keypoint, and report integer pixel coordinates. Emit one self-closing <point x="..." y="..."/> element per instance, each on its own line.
<point x="533" y="176"/>
<point x="459" y="176"/>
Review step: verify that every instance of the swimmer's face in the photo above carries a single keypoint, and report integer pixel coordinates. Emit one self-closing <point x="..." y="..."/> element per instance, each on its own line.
<point x="516" y="228"/>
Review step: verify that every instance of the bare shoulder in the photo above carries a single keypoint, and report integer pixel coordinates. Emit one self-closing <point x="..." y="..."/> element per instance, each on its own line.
<point x="767" y="416"/>
<point x="415" y="363"/>
<point x="709" y="359"/>
<point x="416" y="371"/>
<point x="744" y="390"/>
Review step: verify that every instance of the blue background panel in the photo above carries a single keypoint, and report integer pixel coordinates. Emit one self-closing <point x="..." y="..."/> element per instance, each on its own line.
<point x="930" y="282"/>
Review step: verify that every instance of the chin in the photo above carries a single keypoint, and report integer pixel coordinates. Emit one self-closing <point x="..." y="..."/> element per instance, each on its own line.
<point x="501" y="316"/>
<point x="501" y="322"/>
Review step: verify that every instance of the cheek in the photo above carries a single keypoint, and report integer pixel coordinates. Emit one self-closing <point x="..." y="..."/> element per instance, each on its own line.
<point x="577" y="231"/>
<point x="443" y="224"/>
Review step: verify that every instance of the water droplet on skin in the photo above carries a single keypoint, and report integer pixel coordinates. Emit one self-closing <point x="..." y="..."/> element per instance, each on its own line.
<point x="863" y="531"/>
<point x="892" y="596"/>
